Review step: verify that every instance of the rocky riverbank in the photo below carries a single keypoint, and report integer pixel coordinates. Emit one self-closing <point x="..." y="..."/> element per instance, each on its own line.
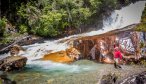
<point x="139" y="78"/>
<point x="129" y="74"/>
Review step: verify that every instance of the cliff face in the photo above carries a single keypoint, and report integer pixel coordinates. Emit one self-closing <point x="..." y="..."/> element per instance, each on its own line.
<point x="130" y="42"/>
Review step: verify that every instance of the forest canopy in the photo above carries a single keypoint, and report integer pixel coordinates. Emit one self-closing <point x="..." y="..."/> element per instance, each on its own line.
<point x="49" y="18"/>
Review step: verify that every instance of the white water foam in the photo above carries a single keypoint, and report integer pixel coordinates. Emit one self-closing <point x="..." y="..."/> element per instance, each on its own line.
<point x="51" y="66"/>
<point x="119" y="19"/>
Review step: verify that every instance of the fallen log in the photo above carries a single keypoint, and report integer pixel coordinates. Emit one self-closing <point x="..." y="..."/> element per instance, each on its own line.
<point x="14" y="43"/>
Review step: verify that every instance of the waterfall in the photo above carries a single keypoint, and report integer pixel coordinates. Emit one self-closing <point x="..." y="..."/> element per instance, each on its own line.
<point x="119" y="18"/>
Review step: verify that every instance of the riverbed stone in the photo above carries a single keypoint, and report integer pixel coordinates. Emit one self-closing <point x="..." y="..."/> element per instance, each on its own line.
<point x="135" y="79"/>
<point x="11" y="63"/>
<point x="108" y="79"/>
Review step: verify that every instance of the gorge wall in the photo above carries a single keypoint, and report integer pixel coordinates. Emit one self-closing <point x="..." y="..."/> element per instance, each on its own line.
<point x="130" y="42"/>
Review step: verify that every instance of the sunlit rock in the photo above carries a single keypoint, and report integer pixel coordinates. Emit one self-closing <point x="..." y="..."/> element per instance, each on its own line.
<point x="129" y="42"/>
<point x="66" y="56"/>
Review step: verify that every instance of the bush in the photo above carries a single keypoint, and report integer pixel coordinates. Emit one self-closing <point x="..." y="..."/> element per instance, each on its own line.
<point x="141" y="27"/>
<point x="3" y="22"/>
<point x="22" y="29"/>
<point x="5" y="41"/>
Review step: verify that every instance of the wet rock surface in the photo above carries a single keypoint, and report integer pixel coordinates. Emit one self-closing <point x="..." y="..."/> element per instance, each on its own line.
<point x="108" y="79"/>
<point x="127" y="75"/>
<point x="135" y="79"/>
<point x="127" y="39"/>
<point x="11" y="63"/>
<point x="111" y="78"/>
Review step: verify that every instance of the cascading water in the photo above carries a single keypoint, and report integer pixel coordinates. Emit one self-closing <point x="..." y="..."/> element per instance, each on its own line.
<point x="121" y="18"/>
<point x="118" y="19"/>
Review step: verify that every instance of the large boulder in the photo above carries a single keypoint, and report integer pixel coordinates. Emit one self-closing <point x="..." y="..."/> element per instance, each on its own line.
<point x="66" y="56"/>
<point x="60" y="56"/>
<point x="12" y="63"/>
<point x="130" y="42"/>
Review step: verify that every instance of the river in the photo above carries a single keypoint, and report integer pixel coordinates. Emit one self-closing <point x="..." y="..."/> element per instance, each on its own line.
<point x="80" y="72"/>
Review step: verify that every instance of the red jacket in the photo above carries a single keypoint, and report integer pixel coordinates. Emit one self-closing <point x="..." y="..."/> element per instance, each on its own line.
<point x="117" y="54"/>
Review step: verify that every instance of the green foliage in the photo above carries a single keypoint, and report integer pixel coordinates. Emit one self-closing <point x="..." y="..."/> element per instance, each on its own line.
<point x="49" y="23"/>
<point x="22" y="29"/>
<point x="143" y="18"/>
<point x="52" y="17"/>
<point x="109" y="3"/>
<point x="5" y="41"/>
<point x="142" y="25"/>
<point x="3" y="22"/>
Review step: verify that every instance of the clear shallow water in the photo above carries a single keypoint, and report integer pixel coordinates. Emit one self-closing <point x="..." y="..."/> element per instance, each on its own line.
<point x="77" y="72"/>
<point x="87" y="72"/>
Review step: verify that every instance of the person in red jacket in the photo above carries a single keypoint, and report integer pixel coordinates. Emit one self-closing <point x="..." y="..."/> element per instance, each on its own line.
<point x="117" y="57"/>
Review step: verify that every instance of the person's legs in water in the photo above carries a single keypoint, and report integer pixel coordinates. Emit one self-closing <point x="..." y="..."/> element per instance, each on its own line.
<point x="115" y="65"/>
